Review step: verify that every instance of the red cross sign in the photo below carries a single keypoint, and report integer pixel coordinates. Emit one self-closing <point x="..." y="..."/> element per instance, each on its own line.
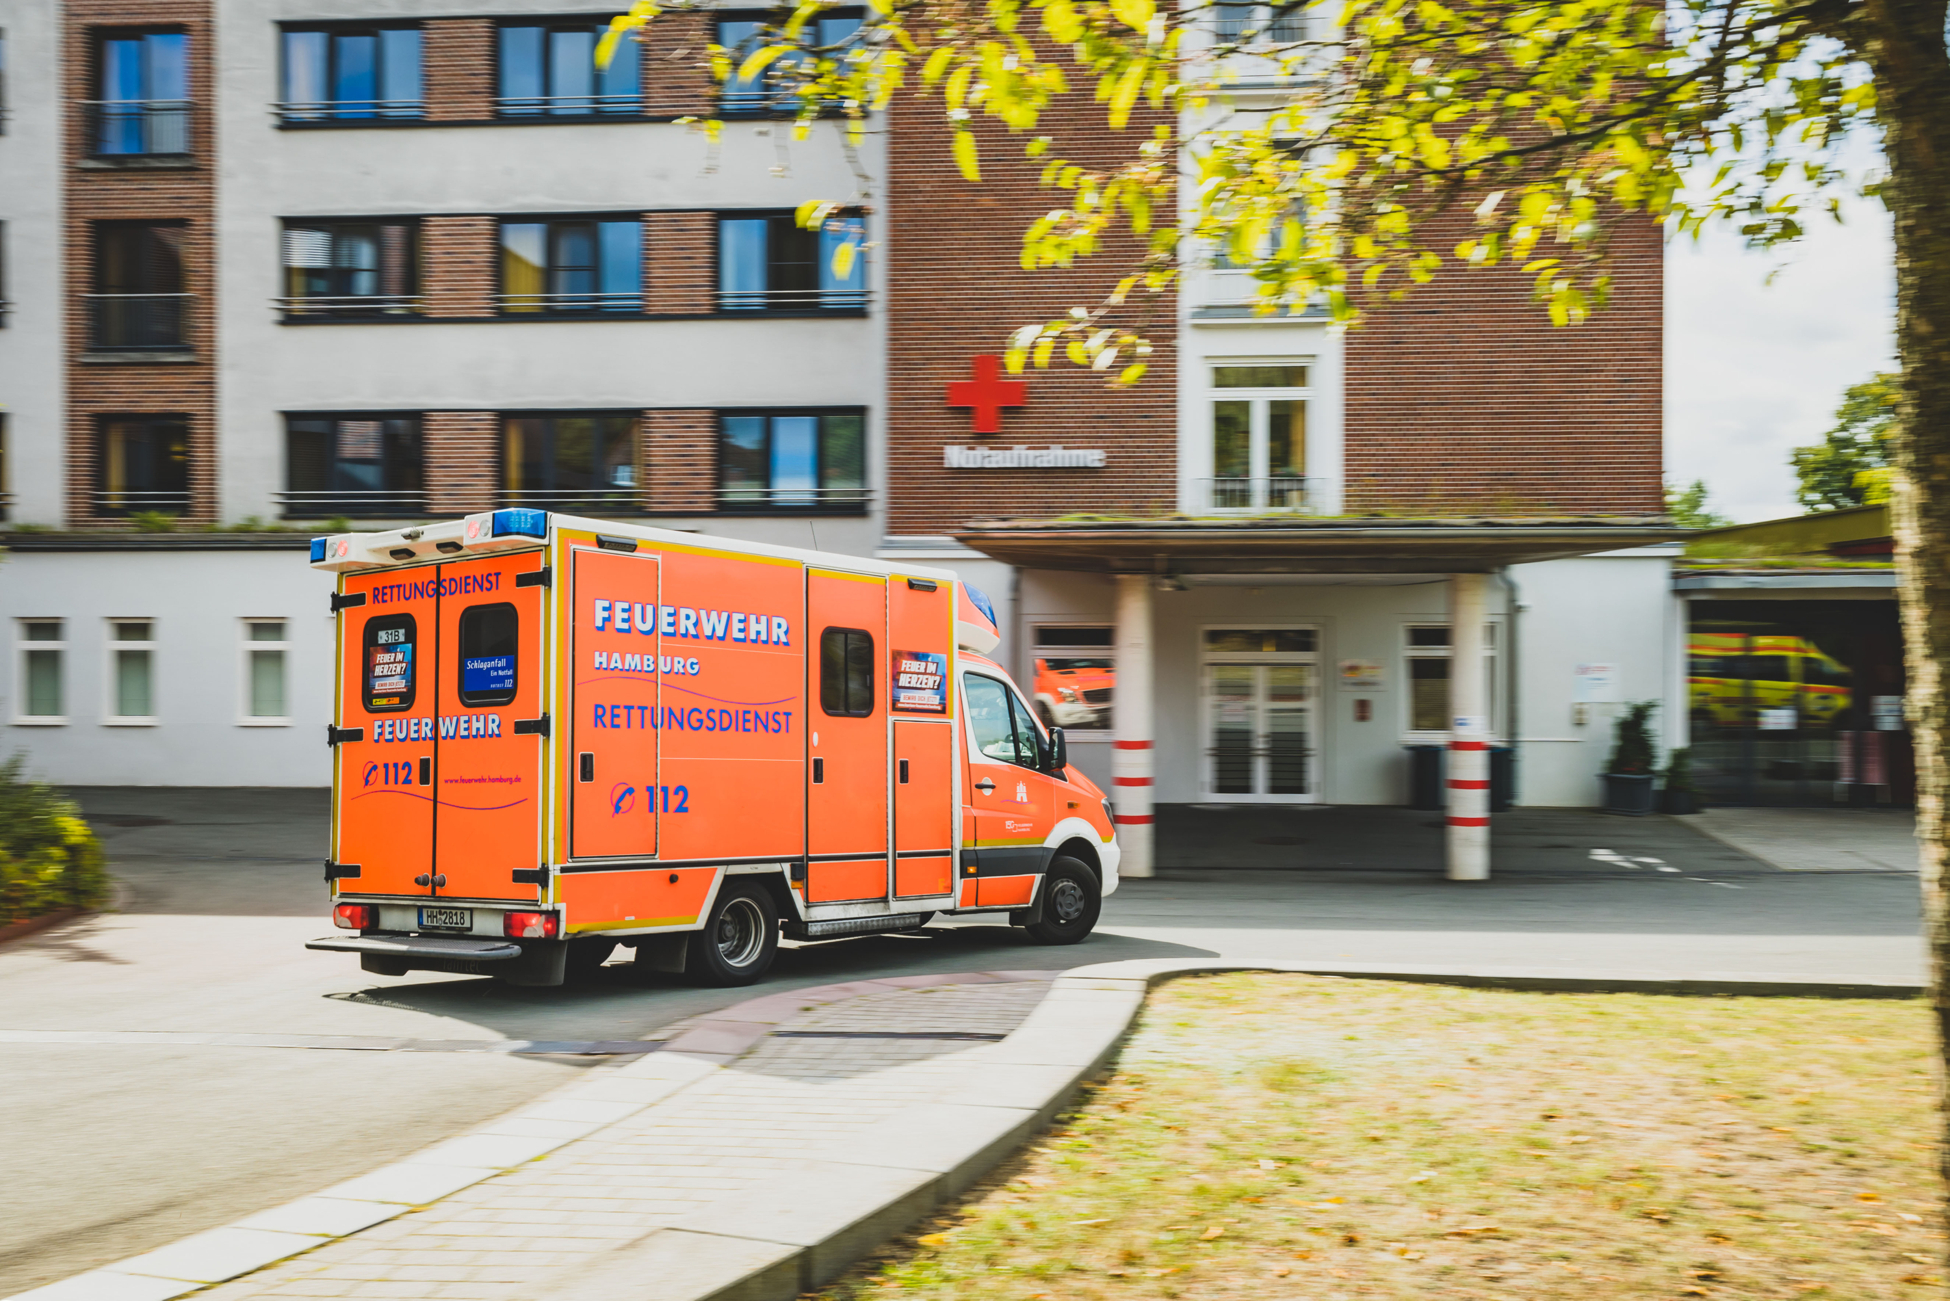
<point x="987" y="393"/>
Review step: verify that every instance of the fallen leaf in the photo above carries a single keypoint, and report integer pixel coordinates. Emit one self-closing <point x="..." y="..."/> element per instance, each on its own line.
<point x="932" y="1239"/>
<point x="1350" y="1238"/>
<point x="1216" y="1231"/>
<point x="1919" y="1259"/>
<point x="1090" y="1221"/>
<point x="1264" y="1164"/>
<point x="1581" y="1138"/>
<point x="1867" y="1197"/>
<point x="1922" y="1278"/>
<point x="1905" y="1215"/>
<point x="1281" y="1271"/>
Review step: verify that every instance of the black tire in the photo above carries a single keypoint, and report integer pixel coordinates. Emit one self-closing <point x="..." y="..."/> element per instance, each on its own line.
<point x="739" y="939"/>
<point x="586" y="958"/>
<point x="1072" y="901"/>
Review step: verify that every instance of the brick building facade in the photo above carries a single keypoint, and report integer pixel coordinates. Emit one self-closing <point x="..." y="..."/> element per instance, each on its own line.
<point x="454" y="267"/>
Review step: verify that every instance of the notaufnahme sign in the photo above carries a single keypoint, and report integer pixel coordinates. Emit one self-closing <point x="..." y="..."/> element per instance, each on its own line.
<point x="1022" y="458"/>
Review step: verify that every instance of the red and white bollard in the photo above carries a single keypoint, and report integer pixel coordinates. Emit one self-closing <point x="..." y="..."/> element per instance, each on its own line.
<point x="1469" y="734"/>
<point x="1131" y="762"/>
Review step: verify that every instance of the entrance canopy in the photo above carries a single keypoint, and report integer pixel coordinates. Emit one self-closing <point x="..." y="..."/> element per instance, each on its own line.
<point x="1286" y="544"/>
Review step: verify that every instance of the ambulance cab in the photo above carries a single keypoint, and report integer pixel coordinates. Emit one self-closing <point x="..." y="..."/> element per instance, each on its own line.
<point x="559" y="737"/>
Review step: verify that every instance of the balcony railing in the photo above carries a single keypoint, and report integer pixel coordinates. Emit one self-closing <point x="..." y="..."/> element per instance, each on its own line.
<point x="568" y="106"/>
<point x="792" y="300"/>
<point x="120" y="128"/>
<point x="353" y="503"/>
<point x="618" y="500"/>
<point x="1278" y="493"/>
<point x="350" y="110"/>
<point x="131" y="501"/>
<point x="544" y="304"/>
<point x="741" y="497"/>
<point x="352" y="305"/>
<point x="138" y="322"/>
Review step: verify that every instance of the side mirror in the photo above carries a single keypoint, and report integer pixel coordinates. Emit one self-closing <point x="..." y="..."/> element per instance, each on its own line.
<point x="1059" y="750"/>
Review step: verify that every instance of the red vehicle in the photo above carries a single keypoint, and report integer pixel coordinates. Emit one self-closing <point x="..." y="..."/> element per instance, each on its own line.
<point x="558" y="735"/>
<point x="1075" y="690"/>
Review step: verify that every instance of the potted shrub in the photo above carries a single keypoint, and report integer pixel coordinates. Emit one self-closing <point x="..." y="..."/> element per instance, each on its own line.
<point x="1628" y="777"/>
<point x="1679" y="795"/>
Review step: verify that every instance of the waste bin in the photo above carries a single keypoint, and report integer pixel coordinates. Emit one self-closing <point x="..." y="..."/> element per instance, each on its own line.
<point x="1428" y="769"/>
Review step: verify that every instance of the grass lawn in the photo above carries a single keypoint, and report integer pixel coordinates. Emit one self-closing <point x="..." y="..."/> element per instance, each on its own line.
<point x="1310" y="1139"/>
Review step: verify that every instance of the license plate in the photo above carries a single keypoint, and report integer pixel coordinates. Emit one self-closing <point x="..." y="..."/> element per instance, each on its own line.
<point x="447" y="919"/>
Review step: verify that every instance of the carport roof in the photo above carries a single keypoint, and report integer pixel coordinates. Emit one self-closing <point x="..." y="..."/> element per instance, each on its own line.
<point x="1289" y="544"/>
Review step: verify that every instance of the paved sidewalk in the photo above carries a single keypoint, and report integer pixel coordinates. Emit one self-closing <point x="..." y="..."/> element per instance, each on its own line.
<point x="636" y="1148"/>
<point x="1818" y="840"/>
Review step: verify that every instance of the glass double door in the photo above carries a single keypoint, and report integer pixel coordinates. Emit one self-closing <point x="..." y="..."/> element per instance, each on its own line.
<point x="1259" y="732"/>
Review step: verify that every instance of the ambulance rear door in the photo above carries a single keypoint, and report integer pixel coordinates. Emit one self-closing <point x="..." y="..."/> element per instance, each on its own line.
<point x="492" y="693"/>
<point x="384" y="732"/>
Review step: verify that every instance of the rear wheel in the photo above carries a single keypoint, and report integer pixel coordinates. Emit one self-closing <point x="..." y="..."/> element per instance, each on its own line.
<point x="1071" y="903"/>
<point x="739" y="940"/>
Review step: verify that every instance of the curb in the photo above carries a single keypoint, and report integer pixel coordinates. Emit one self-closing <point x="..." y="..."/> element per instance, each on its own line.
<point x="705" y="1046"/>
<point x="809" y="1225"/>
<point x="35" y="925"/>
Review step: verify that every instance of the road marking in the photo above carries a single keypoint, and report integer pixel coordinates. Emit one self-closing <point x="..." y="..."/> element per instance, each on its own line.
<point x="336" y="1042"/>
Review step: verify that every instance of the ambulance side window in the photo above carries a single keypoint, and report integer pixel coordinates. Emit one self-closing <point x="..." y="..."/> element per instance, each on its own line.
<point x="994" y="721"/>
<point x="846" y="674"/>
<point x="391" y="641"/>
<point x="489" y="637"/>
<point x="1030" y="741"/>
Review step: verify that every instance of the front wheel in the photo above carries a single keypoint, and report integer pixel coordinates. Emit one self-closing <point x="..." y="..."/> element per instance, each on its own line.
<point x="1071" y="902"/>
<point x="739" y="940"/>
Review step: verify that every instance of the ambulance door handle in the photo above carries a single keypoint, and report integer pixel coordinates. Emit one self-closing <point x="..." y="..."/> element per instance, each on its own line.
<point x="903" y="772"/>
<point x="819" y="771"/>
<point x="985" y="786"/>
<point x="586" y="766"/>
<point x="426" y="771"/>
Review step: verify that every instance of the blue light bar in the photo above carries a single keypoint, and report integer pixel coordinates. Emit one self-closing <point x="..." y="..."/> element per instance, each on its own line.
<point x="318" y="546"/>
<point x="528" y="523"/>
<point x="980" y="600"/>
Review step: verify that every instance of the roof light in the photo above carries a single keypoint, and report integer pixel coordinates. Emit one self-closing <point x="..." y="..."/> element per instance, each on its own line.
<point x="981" y="602"/>
<point x="528" y="523"/>
<point x="318" y="548"/>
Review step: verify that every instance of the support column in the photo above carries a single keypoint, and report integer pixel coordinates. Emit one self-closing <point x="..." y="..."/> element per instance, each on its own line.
<point x="1131" y="763"/>
<point x="1469" y="759"/>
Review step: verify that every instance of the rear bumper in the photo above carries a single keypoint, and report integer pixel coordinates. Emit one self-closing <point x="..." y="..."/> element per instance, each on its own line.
<point x="420" y="946"/>
<point x="517" y="962"/>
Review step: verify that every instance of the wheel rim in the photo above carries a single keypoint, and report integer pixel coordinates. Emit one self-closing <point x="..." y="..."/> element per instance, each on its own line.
<point x="741" y="933"/>
<point x="1068" y="900"/>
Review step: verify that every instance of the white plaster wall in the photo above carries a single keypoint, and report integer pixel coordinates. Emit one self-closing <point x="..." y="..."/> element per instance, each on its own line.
<point x="197" y="601"/>
<point x="1611" y="609"/>
<point x="32" y="393"/>
<point x="270" y="174"/>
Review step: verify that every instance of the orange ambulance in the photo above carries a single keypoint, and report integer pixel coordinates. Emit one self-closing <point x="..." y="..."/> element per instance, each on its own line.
<point x="557" y="735"/>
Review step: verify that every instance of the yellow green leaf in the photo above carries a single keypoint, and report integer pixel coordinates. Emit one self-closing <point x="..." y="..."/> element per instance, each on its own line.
<point x="967" y="158"/>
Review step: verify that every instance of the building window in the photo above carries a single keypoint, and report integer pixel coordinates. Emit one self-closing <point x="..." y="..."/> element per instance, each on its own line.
<point x="1427" y="652"/>
<point x="550" y="71"/>
<point x="362" y="467"/>
<point x="772" y="91"/>
<point x="143" y="465"/>
<point x="1075" y="676"/>
<point x="571" y="266"/>
<point x="338" y="74"/>
<point x="131" y="671"/>
<point x="6" y="471"/>
<point x="40" y="692"/>
<point x="142" y="88"/>
<point x="264" y="652"/>
<point x="1241" y="22"/>
<point x="1259" y="436"/>
<point x="771" y="263"/>
<point x="569" y="460"/>
<point x="138" y="304"/>
<point x="351" y="269"/>
<point x="795" y="461"/>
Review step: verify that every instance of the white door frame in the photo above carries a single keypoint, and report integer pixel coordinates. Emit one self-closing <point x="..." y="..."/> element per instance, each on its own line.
<point x="1255" y="659"/>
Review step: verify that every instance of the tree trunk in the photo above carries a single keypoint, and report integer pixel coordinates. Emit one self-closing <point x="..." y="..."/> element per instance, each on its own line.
<point x="1904" y="43"/>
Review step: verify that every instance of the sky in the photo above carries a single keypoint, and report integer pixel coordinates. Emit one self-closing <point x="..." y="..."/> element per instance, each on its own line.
<point x="1755" y="369"/>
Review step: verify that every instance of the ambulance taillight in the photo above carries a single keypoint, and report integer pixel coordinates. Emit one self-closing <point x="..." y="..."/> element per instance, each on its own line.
<point x="530" y="926"/>
<point x="355" y="916"/>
